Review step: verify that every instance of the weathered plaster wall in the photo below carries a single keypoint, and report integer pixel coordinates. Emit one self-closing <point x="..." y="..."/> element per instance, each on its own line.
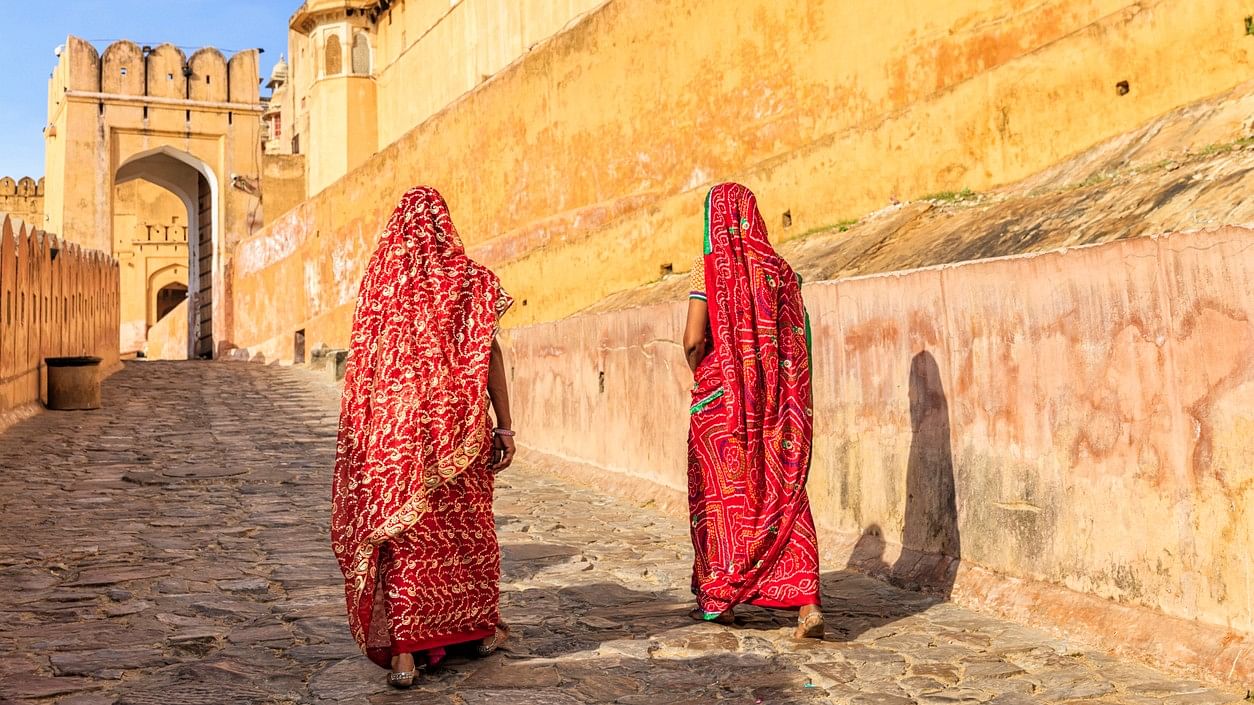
<point x="50" y="307"/>
<point x="579" y="171"/>
<point x="471" y="41"/>
<point x="1092" y="410"/>
<point x="22" y="198"/>
<point x="282" y="184"/>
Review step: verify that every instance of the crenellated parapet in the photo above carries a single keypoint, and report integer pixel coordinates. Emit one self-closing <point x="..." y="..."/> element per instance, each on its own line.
<point x="25" y="187"/>
<point x="22" y="198"/>
<point x="161" y="74"/>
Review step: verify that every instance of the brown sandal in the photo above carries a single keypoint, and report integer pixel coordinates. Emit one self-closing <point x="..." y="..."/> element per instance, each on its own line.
<point x="489" y="646"/>
<point x="810" y="627"/>
<point x="726" y="619"/>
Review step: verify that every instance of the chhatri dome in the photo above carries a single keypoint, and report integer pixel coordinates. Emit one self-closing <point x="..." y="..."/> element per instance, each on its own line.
<point x="278" y="76"/>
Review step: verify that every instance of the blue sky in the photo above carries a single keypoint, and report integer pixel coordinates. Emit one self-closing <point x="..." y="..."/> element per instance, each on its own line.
<point x="30" y="31"/>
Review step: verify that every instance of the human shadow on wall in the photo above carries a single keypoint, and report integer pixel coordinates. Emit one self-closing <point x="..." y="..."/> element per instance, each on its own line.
<point x="931" y="544"/>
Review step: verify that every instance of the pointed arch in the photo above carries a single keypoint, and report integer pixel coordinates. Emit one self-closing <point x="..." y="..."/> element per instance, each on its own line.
<point x="194" y="183"/>
<point x="361" y="54"/>
<point x="333" y="55"/>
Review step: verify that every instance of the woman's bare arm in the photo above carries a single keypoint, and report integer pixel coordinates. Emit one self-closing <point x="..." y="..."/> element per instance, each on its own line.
<point x="498" y="393"/>
<point x="694" y="332"/>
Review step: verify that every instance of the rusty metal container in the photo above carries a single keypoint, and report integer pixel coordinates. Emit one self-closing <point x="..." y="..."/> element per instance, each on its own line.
<point x="73" y="383"/>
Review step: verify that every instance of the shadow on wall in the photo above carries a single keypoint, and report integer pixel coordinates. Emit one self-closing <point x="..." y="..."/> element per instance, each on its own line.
<point x="931" y="547"/>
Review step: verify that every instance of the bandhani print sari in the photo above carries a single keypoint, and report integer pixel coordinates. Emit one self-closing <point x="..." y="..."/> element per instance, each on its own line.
<point x="751" y="423"/>
<point x="412" y="524"/>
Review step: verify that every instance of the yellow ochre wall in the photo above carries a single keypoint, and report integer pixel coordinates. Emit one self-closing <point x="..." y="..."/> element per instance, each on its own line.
<point x="423" y="55"/>
<point x="580" y="170"/>
<point x="429" y="53"/>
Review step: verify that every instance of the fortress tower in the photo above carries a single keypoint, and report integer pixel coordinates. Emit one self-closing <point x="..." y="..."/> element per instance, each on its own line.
<point x="332" y="71"/>
<point x="186" y="125"/>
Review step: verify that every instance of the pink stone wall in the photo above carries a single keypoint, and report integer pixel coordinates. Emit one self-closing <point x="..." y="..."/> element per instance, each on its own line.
<point x="1080" y="422"/>
<point x="50" y="307"/>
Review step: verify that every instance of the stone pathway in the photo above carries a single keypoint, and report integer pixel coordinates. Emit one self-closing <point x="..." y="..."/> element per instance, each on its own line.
<point x="173" y="549"/>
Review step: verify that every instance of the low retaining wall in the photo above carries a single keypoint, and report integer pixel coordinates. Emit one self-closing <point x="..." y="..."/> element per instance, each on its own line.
<point x="1076" y="428"/>
<point x="167" y="340"/>
<point x="50" y="306"/>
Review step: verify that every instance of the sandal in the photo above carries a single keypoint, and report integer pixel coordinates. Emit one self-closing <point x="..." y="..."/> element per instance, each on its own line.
<point x="402" y="679"/>
<point x="810" y="627"/>
<point x="727" y="619"/>
<point x="489" y="646"/>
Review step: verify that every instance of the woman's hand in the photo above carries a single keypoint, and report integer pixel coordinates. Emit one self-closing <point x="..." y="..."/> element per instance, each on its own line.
<point x="498" y="392"/>
<point x="502" y="452"/>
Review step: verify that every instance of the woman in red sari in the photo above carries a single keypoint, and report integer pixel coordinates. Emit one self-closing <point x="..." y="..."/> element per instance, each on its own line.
<point x="412" y="523"/>
<point x="747" y="342"/>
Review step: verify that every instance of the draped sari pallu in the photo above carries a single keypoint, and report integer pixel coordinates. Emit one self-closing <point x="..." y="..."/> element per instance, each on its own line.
<point x="751" y="424"/>
<point x="412" y="524"/>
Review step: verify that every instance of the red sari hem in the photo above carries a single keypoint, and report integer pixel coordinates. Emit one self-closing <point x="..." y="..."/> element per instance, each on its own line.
<point x="383" y="657"/>
<point x="794" y="604"/>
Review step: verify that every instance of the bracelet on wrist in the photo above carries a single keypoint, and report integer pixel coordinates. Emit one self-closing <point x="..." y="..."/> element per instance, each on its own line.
<point x="503" y="432"/>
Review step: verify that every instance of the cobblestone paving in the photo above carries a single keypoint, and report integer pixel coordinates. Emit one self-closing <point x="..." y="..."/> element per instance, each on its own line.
<point x="173" y="549"/>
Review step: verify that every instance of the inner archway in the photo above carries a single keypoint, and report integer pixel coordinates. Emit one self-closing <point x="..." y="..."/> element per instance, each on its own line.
<point x="194" y="184"/>
<point x="168" y="299"/>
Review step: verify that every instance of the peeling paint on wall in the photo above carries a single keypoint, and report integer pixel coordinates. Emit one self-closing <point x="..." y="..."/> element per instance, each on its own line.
<point x="279" y="241"/>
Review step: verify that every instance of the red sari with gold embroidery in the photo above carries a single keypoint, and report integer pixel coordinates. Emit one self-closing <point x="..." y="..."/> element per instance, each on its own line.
<point x="751" y="427"/>
<point x="411" y="522"/>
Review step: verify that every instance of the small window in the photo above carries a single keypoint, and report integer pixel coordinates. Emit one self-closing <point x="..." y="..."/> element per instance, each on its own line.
<point x="361" y="54"/>
<point x="334" y="56"/>
<point x="123" y="70"/>
<point x="169" y="77"/>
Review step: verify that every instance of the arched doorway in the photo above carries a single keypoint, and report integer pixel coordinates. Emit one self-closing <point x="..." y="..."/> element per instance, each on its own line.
<point x="195" y="184"/>
<point x="169" y="297"/>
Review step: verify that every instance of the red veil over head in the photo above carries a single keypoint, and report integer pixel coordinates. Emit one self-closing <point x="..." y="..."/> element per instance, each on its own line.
<point x="414" y="409"/>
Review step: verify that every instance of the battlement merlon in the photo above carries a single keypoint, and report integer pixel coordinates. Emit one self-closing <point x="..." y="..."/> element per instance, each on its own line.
<point x="162" y="75"/>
